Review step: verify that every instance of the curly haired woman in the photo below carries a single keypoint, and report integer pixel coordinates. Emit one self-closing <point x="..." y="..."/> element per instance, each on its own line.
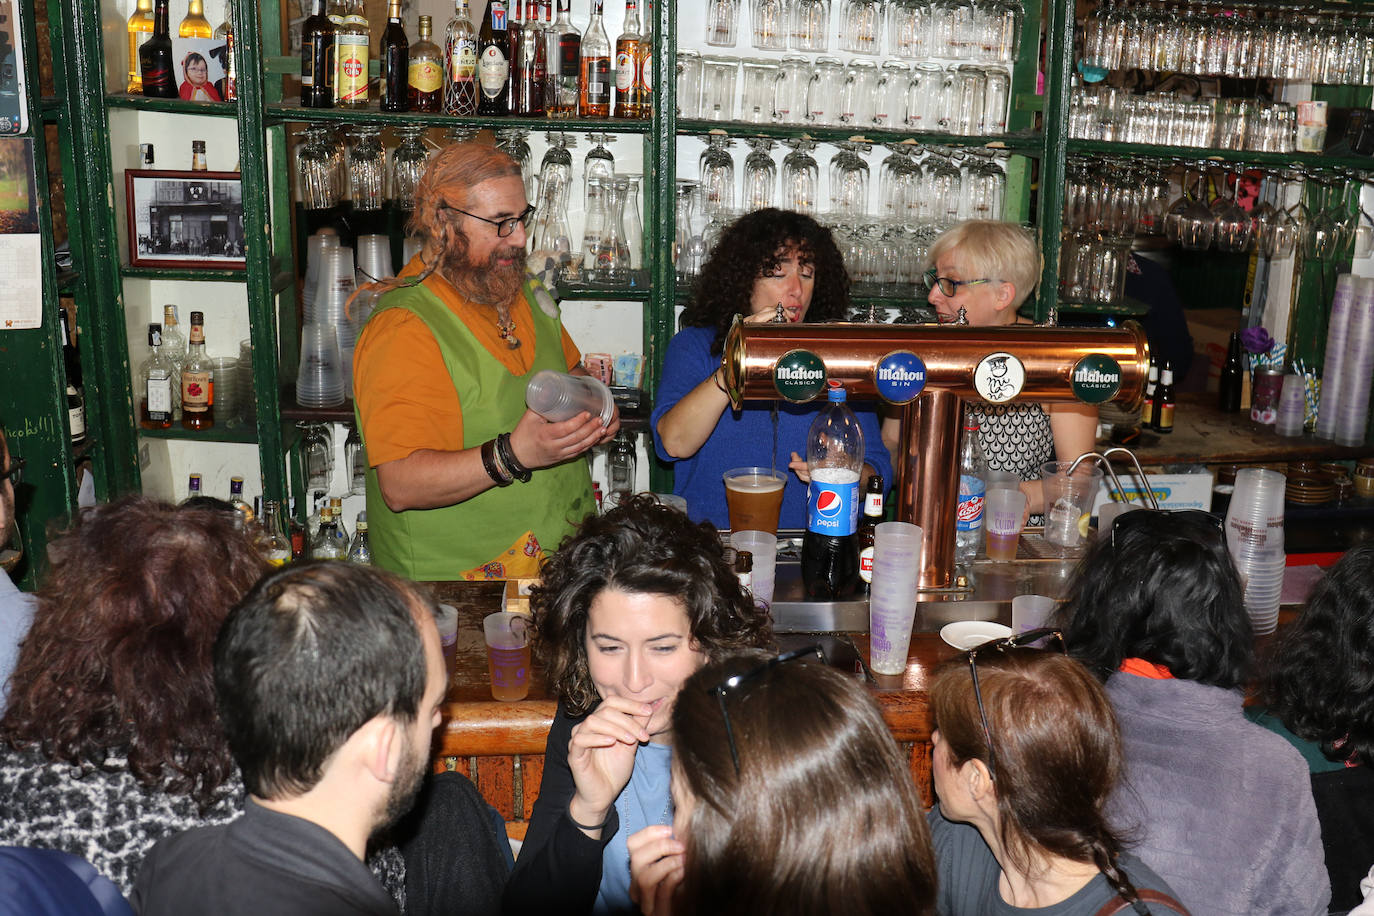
<point x="764" y="260"/>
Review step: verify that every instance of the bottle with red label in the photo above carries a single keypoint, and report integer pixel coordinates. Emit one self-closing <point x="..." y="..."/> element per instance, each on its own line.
<point x="868" y="527"/>
<point x="835" y="460"/>
<point x="973" y="476"/>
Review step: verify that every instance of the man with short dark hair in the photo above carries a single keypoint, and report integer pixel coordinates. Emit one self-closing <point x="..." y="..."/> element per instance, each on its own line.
<point x="329" y="679"/>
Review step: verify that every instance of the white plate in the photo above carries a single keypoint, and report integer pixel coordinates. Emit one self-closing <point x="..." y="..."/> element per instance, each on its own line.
<point x="969" y="634"/>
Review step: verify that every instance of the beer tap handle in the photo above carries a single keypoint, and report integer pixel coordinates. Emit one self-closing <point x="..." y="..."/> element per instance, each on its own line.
<point x="779" y="315"/>
<point x="962" y="317"/>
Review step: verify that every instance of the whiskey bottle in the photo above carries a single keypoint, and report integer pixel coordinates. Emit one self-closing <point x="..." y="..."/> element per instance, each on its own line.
<point x="395" y="49"/>
<point x="351" y="44"/>
<point x="628" y="86"/>
<point x="228" y="86"/>
<point x="197" y="381"/>
<point x="140" y="28"/>
<point x="460" y="77"/>
<point x="317" y="59"/>
<point x="645" y="66"/>
<point x="594" y="84"/>
<point x="155" y="382"/>
<point x="565" y="67"/>
<point x="426" y="69"/>
<point x="155" y="58"/>
<point x="195" y="25"/>
<point x="493" y="61"/>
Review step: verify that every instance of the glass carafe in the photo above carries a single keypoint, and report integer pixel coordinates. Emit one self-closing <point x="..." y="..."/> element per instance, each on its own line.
<point x="593" y="225"/>
<point x="612" y="251"/>
<point x="408" y="162"/>
<point x="683" y="247"/>
<point x="800" y="178"/>
<point x="599" y="163"/>
<point x="634" y="225"/>
<point x="551" y="229"/>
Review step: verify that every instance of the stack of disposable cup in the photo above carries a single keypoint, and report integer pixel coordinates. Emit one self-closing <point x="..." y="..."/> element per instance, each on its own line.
<point x="892" y="595"/>
<point x="374" y="259"/>
<point x="764" y="547"/>
<point x="1254" y="537"/>
<point x="332" y="295"/>
<point x="319" y="382"/>
<point x="1357" y="368"/>
<point x="314" y="257"/>
<point x="1337" y="334"/>
<point x="1292" y="407"/>
<point x="558" y="396"/>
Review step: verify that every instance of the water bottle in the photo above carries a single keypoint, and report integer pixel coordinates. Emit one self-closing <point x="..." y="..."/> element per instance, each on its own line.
<point x="973" y="477"/>
<point x="835" y="459"/>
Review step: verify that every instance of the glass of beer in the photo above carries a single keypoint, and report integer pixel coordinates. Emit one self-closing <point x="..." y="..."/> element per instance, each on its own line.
<point x="508" y="654"/>
<point x="754" y="498"/>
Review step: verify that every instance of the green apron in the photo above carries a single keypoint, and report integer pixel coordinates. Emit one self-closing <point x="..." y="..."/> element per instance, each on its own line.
<point x="441" y="544"/>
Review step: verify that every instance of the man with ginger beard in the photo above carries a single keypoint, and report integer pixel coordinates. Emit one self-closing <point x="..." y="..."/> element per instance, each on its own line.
<point x="463" y="480"/>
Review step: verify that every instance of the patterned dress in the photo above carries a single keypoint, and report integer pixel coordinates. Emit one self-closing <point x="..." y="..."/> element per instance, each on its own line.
<point x="1016" y="438"/>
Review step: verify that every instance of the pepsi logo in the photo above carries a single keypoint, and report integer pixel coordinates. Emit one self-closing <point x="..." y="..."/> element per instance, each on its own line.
<point x="829" y="504"/>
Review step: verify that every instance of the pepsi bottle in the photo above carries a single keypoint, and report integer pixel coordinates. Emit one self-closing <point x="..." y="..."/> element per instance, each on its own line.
<point x="835" y="459"/>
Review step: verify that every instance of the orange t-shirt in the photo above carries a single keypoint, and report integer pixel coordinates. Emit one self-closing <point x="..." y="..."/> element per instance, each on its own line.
<point x="397" y="362"/>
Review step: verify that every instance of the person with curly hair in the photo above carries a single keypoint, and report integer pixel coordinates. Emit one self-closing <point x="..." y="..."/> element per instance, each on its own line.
<point x="800" y="803"/>
<point x="1320" y="694"/>
<point x="111" y="739"/>
<point x="629" y="607"/>
<point x="765" y="261"/>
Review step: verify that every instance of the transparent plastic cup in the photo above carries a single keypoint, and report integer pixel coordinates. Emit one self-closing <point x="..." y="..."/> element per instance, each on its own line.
<point x="558" y="396"/>
<point x="764" y="547"/>
<point x="753" y="497"/>
<point x="374" y="259"/>
<point x="1108" y="513"/>
<point x="319" y="380"/>
<point x="1004" y="513"/>
<point x="892" y="595"/>
<point x="1030" y="612"/>
<point x="508" y="654"/>
<point x="1068" y="500"/>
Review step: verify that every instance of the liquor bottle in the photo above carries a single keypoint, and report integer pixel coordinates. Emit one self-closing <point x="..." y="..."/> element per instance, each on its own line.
<point x="351" y="48"/>
<point x="155" y="58"/>
<point x="336" y="506"/>
<point x="236" y="500"/>
<point x="1232" y="375"/>
<point x="744" y="569"/>
<point x="645" y="67"/>
<point x="1147" y="406"/>
<point x="197" y="380"/>
<point x="140" y="28"/>
<point x="228" y="86"/>
<point x="516" y="34"/>
<point x="426" y="71"/>
<point x="565" y="66"/>
<point x="317" y="59"/>
<point x="360" y="551"/>
<point x="174" y="348"/>
<point x="534" y="68"/>
<point x="192" y="487"/>
<point x="1164" y="400"/>
<point x="197" y="155"/>
<point x="338" y="11"/>
<point x="274" y="542"/>
<point x="460" y="77"/>
<point x="76" y="402"/>
<point x="594" y="81"/>
<point x="395" y="51"/>
<point x="312" y="523"/>
<point x="325" y="544"/>
<point x="195" y="25"/>
<point x="628" y="87"/>
<point x="493" y="61"/>
<point x="548" y="37"/>
<point x="155" y="380"/>
<point x="76" y="415"/>
<point x="868" y="528"/>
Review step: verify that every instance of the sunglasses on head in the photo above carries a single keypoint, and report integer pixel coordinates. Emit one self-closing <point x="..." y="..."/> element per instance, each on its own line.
<point x="737" y="682"/>
<point x="1018" y="641"/>
<point x="1129" y="518"/>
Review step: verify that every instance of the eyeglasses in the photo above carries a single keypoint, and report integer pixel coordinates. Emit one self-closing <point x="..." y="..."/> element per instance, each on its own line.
<point x="16" y="472"/>
<point x="949" y="287"/>
<point x="736" y="681"/>
<point x="504" y="227"/>
<point x="1127" y="518"/>
<point x="1019" y="641"/>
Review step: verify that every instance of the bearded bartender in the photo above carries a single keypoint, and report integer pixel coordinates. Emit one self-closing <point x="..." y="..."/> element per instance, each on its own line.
<point x="463" y="480"/>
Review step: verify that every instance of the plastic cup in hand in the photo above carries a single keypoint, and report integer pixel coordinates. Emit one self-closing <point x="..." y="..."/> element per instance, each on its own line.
<point x="558" y="396"/>
<point x="508" y="654"/>
<point x="1068" y="500"/>
<point x="1030" y="612"/>
<point x="892" y="595"/>
<point x="764" y="547"/>
<point x="753" y="497"/>
<point x="1004" y="514"/>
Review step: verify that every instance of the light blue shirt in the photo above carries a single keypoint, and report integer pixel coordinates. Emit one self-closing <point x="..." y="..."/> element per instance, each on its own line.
<point x="646" y="800"/>
<point x="16" y="615"/>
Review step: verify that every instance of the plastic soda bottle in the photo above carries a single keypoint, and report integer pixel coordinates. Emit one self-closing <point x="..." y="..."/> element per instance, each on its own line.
<point x="973" y="476"/>
<point x="835" y="459"/>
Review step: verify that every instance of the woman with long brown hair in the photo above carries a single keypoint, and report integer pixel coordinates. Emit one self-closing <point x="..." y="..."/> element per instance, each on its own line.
<point x="1027" y="754"/>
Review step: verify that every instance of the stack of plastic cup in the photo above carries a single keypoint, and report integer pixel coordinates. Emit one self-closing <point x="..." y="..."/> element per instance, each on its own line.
<point x="892" y="595"/>
<point x="557" y="396"/>
<point x="314" y="257"/>
<point x="1292" y="407"/>
<point x="764" y="547"/>
<point x="1337" y="334"/>
<point x="1254" y="537"/>
<point x="332" y="293"/>
<point x="249" y="407"/>
<point x="374" y="259"/>
<point x="1357" y="368"/>
<point x="319" y="381"/>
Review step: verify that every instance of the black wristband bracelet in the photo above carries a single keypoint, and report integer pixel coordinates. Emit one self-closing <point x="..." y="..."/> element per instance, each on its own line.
<point x="492" y="466"/>
<point x="599" y="826"/>
<point x="503" y="448"/>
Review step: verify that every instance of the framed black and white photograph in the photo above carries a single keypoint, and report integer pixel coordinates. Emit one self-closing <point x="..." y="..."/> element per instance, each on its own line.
<point x="185" y="219"/>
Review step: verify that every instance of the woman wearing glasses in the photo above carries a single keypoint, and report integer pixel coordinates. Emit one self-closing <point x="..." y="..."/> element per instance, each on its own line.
<point x="767" y="264"/>
<point x="984" y="270"/>
<point x="1027" y="752"/>
<point x="1321" y="701"/>
<point x="629" y="608"/>
<point x="791" y="798"/>
<point x="1222" y="808"/>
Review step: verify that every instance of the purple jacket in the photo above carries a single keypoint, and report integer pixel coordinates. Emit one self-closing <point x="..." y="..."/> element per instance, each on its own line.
<point x="1221" y="808"/>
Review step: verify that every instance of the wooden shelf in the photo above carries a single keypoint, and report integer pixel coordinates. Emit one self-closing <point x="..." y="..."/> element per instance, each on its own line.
<point x="172" y="106"/>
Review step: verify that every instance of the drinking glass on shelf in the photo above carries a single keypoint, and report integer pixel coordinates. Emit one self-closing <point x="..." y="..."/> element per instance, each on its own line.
<point x="789" y="94"/>
<point x="408" y="162"/>
<point x="634" y="226"/>
<point x="317" y="451"/>
<point x="366" y="168"/>
<point x="1000" y="31"/>
<point x="896" y="179"/>
<point x="861" y="26"/>
<point x="722" y="20"/>
<point x="717" y="170"/>
<point x="946" y="189"/>
<point x="924" y="104"/>
<point x="555" y="169"/>
<point x="970" y="87"/>
<point x="857" y="93"/>
<point x="1154" y="201"/>
<point x="800" y="178"/>
<point x="599" y="164"/>
<point x="318" y="157"/>
<point x="1235" y="230"/>
<point x="685" y="244"/>
<point x="985" y="187"/>
<point x="514" y="142"/>
<point x="889" y="110"/>
<point x="823" y="92"/>
<point x="718" y="78"/>
<point x="810" y="25"/>
<point x="908" y="29"/>
<point x="760" y="78"/>
<point x="996" y="98"/>
<point x="768" y="19"/>
<point x="849" y="181"/>
<point x="1196" y="225"/>
<point x="952" y="29"/>
<point x="760" y="175"/>
<point x="688" y="95"/>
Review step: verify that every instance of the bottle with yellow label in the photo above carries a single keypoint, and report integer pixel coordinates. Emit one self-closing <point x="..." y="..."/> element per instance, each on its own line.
<point x="426" y="71"/>
<point x="351" y="44"/>
<point x="460" y="70"/>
